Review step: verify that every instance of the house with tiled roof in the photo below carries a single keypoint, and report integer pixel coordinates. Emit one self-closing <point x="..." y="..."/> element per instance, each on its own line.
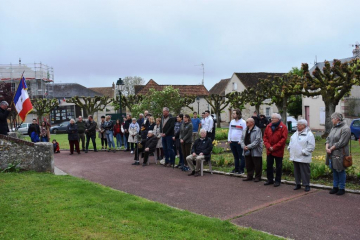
<point x="238" y="83"/>
<point x="106" y="91"/>
<point x="200" y="91"/>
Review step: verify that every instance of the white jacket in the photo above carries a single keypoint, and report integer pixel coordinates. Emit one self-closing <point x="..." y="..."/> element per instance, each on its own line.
<point x="301" y="146"/>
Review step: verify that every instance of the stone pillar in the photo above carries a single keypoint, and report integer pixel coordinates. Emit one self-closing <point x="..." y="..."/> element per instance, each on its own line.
<point x="44" y="160"/>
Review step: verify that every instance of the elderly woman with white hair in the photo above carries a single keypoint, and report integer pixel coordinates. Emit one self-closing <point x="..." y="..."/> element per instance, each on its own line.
<point x="337" y="146"/>
<point x="301" y="146"/>
<point x="73" y="137"/>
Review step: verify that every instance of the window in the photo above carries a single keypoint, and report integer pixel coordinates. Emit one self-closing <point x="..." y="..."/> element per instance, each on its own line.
<point x="268" y="112"/>
<point x="234" y="86"/>
<point x="356" y="123"/>
<point x="12" y="87"/>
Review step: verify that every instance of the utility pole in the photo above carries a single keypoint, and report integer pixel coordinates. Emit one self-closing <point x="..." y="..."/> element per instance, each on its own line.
<point x="203" y="68"/>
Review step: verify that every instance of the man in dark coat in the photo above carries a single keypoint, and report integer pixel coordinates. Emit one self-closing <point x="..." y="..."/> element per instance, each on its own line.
<point x="148" y="146"/>
<point x="90" y="131"/>
<point x="81" y="130"/>
<point x="167" y="132"/>
<point x="34" y="128"/>
<point x="4" y="113"/>
<point x="201" y="150"/>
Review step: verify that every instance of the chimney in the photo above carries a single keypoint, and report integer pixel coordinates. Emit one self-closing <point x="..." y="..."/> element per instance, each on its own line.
<point x="356" y="51"/>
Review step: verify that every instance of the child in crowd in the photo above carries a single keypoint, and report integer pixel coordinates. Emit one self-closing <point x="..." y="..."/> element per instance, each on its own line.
<point x="56" y="146"/>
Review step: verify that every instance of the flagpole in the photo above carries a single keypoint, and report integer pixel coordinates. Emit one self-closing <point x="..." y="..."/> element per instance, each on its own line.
<point x="13" y="102"/>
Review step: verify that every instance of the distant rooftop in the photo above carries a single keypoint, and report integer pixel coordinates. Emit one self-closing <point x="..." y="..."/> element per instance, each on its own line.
<point x="68" y="90"/>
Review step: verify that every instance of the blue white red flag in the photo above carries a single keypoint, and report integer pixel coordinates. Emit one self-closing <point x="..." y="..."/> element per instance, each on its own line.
<point x="22" y="101"/>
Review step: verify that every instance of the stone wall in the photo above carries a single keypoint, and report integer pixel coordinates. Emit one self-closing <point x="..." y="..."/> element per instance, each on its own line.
<point x="37" y="157"/>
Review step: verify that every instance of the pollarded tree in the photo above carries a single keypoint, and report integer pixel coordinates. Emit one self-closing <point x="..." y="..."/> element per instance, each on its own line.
<point x="91" y="104"/>
<point x="43" y="106"/>
<point x="236" y="100"/>
<point x="257" y="94"/>
<point x="154" y="101"/>
<point x="333" y="83"/>
<point x="217" y="103"/>
<point x="127" y="101"/>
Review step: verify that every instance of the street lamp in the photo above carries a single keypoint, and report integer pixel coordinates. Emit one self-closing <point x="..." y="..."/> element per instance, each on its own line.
<point x="120" y="85"/>
<point x="198" y="102"/>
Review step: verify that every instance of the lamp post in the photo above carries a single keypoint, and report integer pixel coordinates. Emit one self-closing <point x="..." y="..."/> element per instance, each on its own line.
<point x="198" y="102"/>
<point x="120" y="85"/>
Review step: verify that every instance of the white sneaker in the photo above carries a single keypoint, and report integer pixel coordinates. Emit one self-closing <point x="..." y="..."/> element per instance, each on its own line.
<point x="132" y="152"/>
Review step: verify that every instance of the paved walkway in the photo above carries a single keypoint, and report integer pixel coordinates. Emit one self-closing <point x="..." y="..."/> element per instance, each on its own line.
<point x="280" y="211"/>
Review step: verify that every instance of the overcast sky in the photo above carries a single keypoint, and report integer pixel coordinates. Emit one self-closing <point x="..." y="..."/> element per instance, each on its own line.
<point x="94" y="43"/>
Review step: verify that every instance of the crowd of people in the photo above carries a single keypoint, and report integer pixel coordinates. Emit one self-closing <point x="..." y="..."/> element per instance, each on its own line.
<point x="191" y="140"/>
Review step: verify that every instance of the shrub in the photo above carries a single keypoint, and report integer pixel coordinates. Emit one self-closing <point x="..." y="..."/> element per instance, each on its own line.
<point x="221" y="134"/>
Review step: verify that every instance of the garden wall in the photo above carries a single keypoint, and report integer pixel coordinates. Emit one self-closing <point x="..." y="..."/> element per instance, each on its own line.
<point x="26" y="155"/>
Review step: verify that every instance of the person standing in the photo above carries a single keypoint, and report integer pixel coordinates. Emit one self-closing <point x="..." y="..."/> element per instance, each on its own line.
<point x="177" y="147"/>
<point x="81" y="130"/>
<point x="196" y="123"/>
<point x="302" y="144"/>
<point x="118" y="134"/>
<point x="337" y="147"/>
<point x="252" y="143"/>
<point x="109" y="128"/>
<point x="275" y="139"/>
<point x="186" y="133"/>
<point x="263" y="123"/>
<point x="202" y="120"/>
<point x="256" y="118"/>
<point x="236" y="128"/>
<point x="90" y="131"/>
<point x="209" y="125"/>
<point x="167" y="133"/>
<point x="73" y="137"/>
<point x="4" y="113"/>
<point x="134" y="130"/>
<point x="34" y="131"/>
<point x="102" y="134"/>
<point x="159" y="148"/>
<point x="126" y="131"/>
<point x="141" y="119"/>
<point x="44" y="132"/>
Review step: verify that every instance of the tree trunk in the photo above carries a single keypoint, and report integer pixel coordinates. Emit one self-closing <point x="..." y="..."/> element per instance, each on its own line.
<point x="329" y="110"/>
<point x="257" y="108"/>
<point x="218" y="120"/>
<point x="282" y="112"/>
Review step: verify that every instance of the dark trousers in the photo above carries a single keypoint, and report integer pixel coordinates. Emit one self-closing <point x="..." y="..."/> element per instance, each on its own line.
<point x="160" y="153"/>
<point x="127" y="144"/>
<point x="104" y="142"/>
<point x="82" y="139"/>
<point x="143" y="153"/>
<point x="92" y="137"/>
<point x="133" y="146"/>
<point x="211" y="135"/>
<point x="72" y="143"/>
<point x="270" y="170"/>
<point x="167" y="143"/>
<point x="239" y="159"/>
<point x="302" y="173"/>
<point x="177" y="147"/>
<point x="186" y="149"/>
<point x="253" y="164"/>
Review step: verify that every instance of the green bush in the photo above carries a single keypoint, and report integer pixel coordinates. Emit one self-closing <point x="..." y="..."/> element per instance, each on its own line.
<point x="221" y="134"/>
<point x="217" y="150"/>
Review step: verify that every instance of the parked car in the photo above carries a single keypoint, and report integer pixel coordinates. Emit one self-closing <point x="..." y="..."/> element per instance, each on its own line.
<point x="355" y="129"/>
<point x="23" y="128"/>
<point x="293" y="123"/>
<point x="61" y="128"/>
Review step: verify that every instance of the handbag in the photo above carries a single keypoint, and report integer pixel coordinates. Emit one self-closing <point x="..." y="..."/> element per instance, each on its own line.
<point x="347" y="160"/>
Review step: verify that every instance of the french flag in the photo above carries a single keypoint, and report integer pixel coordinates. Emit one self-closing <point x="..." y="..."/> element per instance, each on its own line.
<point x="22" y="101"/>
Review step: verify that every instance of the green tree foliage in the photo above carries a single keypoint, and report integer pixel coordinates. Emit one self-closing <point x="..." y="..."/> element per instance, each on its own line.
<point x="43" y="106"/>
<point x="127" y="101"/>
<point x="257" y="94"/>
<point x="294" y="107"/>
<point x="154" y="101"/>
<point x="91" y="104"/>
<point x="333" y="82"/>
<point x="217" y="103"/>
<point x="236" y="100"/>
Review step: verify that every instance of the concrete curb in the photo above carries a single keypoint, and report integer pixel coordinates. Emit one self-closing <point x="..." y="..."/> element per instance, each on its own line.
<point x="317" y="186"/>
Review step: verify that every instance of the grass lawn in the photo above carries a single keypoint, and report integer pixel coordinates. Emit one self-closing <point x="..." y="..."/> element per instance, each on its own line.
<point x="45" y="206"/>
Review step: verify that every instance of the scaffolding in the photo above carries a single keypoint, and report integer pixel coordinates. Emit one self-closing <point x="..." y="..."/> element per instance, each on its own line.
<point x="39" y="78"/>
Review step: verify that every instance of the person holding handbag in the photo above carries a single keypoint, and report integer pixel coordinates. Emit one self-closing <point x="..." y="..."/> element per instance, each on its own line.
<point x="337" y="147"/>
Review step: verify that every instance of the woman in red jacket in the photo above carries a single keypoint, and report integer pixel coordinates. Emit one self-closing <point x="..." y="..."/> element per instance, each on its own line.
<point x="274" y="140"/>
<point x="118" y="134"/>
